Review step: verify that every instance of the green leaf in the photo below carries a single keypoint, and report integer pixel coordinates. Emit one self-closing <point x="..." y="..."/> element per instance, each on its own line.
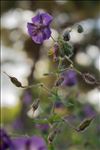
<point x="65" y="48"/>
<point x="54" y="118"/>
<point x="68" y="49"/>
<point x="68" y="104"/>
<point x="41" y="121"/>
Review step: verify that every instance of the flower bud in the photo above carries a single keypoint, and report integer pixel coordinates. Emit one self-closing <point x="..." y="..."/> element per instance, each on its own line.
<point x="66" y="36"/>
<point x="52" y="135"/>
<point x="14" y="81"/>
<point x="33" y="111"/>
<point x="84" y="124"/>
<point x="80" y="29"/>
<point x="88" y="78"/>
<point x="35" y="104"/>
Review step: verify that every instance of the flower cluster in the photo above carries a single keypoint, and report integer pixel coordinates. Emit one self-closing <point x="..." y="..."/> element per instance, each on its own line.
<point x="21" y="143"/>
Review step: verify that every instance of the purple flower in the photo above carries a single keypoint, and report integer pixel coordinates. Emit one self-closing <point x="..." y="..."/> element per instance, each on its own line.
<point x="27" y="97"/>
<point x="89" y="111"/>
<point x="69" y="78"/>
<point x="29" y="143"/>
<point x="5" y="141"/>
<point x="17" y="124"/>
<point x="39" y="29"/>
<point x="59" y="105"/>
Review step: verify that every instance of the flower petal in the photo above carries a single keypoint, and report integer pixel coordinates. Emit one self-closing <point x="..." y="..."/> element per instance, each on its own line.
<point x="37" y="19"/>
<point x="46" y="18"/>
<point x="70" y="78"/>
<point x="46" y="33"/>
<point x="31" y="28"/>
<point x="39" y="38"/>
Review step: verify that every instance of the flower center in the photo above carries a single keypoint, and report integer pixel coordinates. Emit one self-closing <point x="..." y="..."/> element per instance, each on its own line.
<point x="38" y="29"/>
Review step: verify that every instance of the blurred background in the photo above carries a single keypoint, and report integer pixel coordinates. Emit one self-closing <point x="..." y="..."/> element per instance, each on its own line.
<point x="27" y="61"/>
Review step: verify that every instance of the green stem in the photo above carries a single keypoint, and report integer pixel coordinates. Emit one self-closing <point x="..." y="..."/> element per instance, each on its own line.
<point x="66" y="57"/>
<point x="53" y="39"/>
<point x="66" y="121"/>
<point x="52" y="110"/>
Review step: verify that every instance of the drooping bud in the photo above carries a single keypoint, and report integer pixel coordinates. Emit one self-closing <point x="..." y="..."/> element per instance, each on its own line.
<point x="35" y="104"/>
<point x="14" y="81"/>
<point x="84" y="124"/>
<point x="32" y="111"/>
<point x="80" y="29"/>
<point x="88" y="78"/>
<point x="52" y="135"/>
<point x="66" y="36"/>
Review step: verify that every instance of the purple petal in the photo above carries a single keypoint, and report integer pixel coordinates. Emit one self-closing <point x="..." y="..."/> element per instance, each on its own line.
<point x="37" y="19"/>
<point x="43" y="18"/>
<point x="46" y="33"/>
<point x="31" y="28"/>
<point x="38" y="143"/>
<point x="39" y="38"/>
<point x="5" y="141"/>
<point x="32" y="143"/>
<point x="20" y="143"/>
<point x="69" y="78"/>
<point x="46" y="18"/>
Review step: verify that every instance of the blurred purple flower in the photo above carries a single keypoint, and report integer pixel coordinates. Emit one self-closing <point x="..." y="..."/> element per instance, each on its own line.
<point x="18" y="124"/>
<point x="89" y="111"/>
<point x="39" y="29"/>
<point x="27" y="97"/>
<point x="69" y="78"/>
<point x="59" y="105"/>
<point x="29" y="143"/>
<point x="5" y="141"/>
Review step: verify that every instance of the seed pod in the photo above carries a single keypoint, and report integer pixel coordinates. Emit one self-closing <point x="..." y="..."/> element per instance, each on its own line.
<point x="66" y="36"/>
<point x="14" y="81"/>
<point x="88" y="78"/>
<point x="80" y="29"/>
<point x="84" y="124"/>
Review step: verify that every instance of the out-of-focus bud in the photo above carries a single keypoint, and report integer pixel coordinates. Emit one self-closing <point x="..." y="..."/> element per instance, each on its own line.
<point x="88" y="78"/>
<point x="52" y="135"/>
<point x="84" y="124"/>
<point x="33" y="108"/>
<point x="35" y="104"/>
<point x="54" y="51"/>
<point x="80" y="29"/>
<point x="66" y="36"/>
<point x="14" y="81"/>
